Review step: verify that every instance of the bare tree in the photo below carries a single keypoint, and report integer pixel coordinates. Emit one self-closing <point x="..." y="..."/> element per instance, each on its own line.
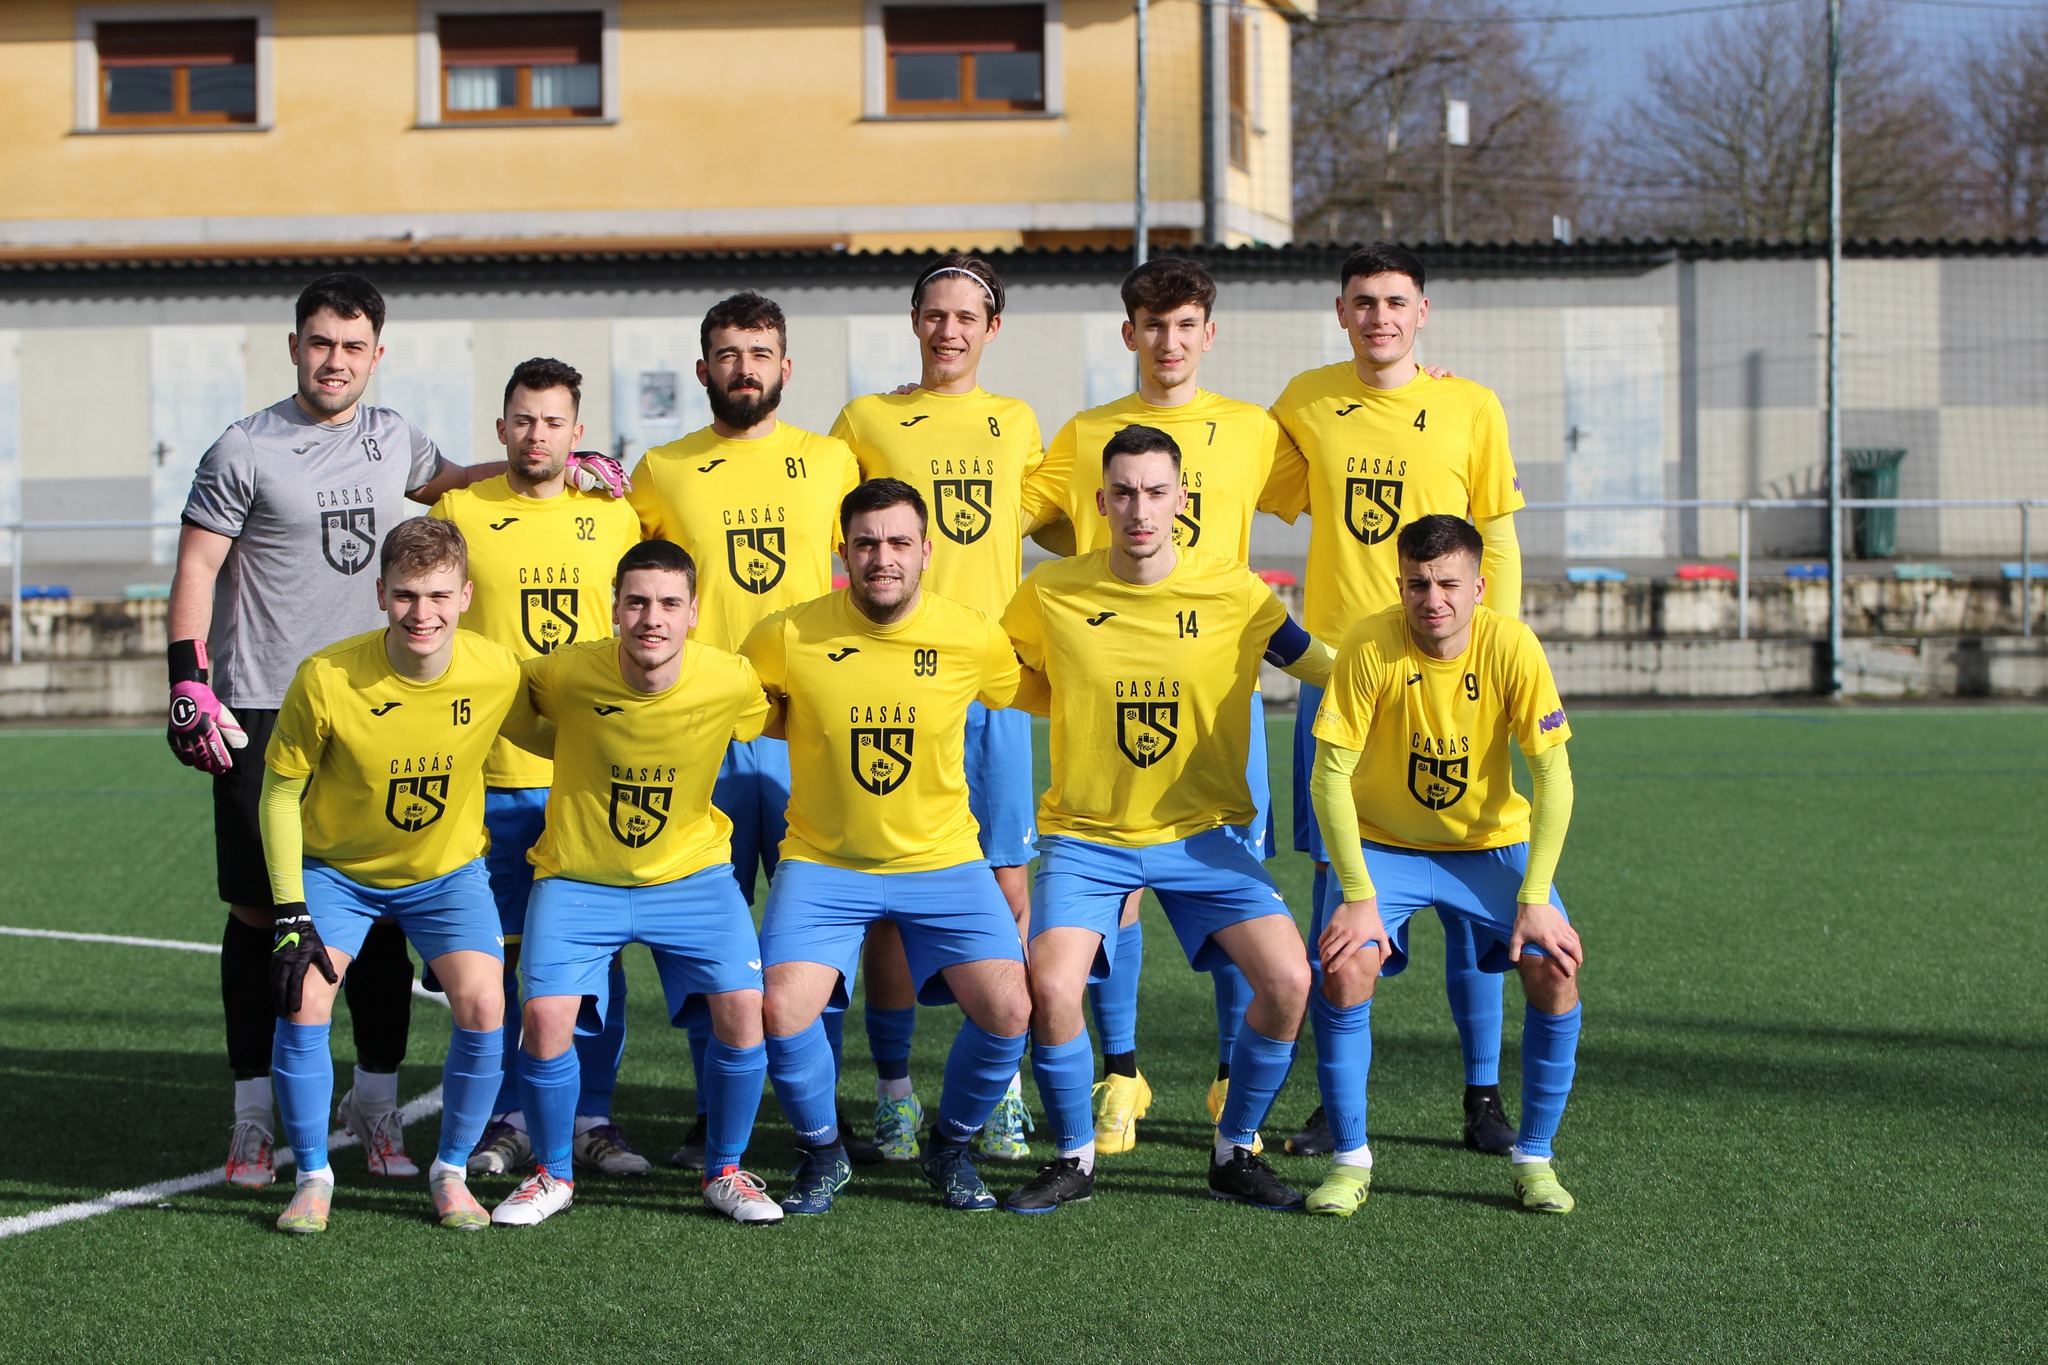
<point x="2005" y="110"/>
<point x="1730" y="139"/>
<point x="1370" y="81"/>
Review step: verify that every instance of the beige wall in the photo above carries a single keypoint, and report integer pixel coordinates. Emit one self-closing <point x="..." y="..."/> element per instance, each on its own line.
<point x="734" y="119"/>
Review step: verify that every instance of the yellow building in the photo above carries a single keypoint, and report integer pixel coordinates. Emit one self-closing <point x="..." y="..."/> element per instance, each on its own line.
<point x="862" y="124"/>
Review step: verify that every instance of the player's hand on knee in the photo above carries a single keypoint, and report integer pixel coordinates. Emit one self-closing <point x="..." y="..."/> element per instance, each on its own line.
<point x="1353" y="926"/>
<point x="203" y="733"/>
<point x="591" y="470"/>
<point x="1544" y="926"/>
<point x="296" y="947"/>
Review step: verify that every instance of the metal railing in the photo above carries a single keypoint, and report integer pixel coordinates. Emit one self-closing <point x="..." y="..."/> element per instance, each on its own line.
<point x="19" y="532"/>
<point x="18" y="535"/>
<point x="1743" y="507"/>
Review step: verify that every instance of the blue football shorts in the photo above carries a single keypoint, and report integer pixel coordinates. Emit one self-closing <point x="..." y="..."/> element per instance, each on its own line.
<point x="1205" y="882"/>
<point x="450" y="913"/>
<point x="698" y="928"/>
<point x="945" y="917"/>
<point x="1477" y="886"/>
<point x="514" y="818"/>
<point x="1000" y="790"/>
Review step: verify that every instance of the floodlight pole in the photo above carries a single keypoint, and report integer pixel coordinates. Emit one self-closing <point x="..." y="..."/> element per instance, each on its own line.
<point x="1139" y="246"/>
<point x="1834" y="380"/>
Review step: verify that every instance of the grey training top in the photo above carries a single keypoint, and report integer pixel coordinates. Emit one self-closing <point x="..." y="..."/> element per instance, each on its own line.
<point x="306" y="504"/>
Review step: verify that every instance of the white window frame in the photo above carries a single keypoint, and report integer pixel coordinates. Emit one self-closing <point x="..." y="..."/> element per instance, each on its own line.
<point x="875" y="62"/>
<point x="428" y="48"/>
<point x="85" y="61"/>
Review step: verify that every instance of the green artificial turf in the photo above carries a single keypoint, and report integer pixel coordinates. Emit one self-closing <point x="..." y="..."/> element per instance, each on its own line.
<point x="1807" y="1122"/>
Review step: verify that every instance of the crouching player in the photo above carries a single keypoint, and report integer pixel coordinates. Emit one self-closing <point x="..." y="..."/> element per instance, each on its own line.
<point x="1151" y="655"/>
<point x="373" y="805"/>
<point x="634" y="852"/>
<point x="873" y="683"/>
<point x="1412" y="754"/>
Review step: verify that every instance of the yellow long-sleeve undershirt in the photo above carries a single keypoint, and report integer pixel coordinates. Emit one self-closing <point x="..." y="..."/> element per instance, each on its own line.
<point x="1501" y="565"/>
<point x="284" y="838"/>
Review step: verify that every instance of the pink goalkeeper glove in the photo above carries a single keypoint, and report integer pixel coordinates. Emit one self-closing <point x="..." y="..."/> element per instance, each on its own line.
<point x="202" y="731"/>
<point x="590" y="470"/>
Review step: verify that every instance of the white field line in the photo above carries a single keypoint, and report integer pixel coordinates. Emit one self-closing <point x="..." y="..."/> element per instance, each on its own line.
<point x="420" y="1107"/>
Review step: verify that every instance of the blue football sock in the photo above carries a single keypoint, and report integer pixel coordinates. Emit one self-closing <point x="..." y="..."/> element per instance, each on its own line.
<point x="978" y="1072"/>
<point x="302" y="1078"/>
<point x="732" y="1079"/>
<point x="598" y="1054"/>
<point x="889" y="1034"/>
<point x="806" y="1084"/>
<point x="550" y="1087"/>
<point x="1233" y="998"/>
<point x="835" y="1038"/>
<point x="1475" y="1002"/>
<point x="508" y="1082"/>
<point x="470" y="1077"/>
<point x="699" y="1038"/>
<point x="1550" y="1054"/>
<point x="1343" y="1066"/>
<point x="1065" y="1073"/>
<point x="1116" y="1000"/>
<point x="1258" y="1068"/>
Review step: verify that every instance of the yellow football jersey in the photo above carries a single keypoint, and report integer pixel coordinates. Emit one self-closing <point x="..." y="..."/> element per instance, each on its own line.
<point x="977" y="460"/>
<point x="1436" y="771"/>
<point x="1362" y="461"/>
<point x="761" y="518"/>
<point x="634" y="770"/>
<point x="876" y="719"/>
<point x="1227" y="450"/>
<point x="543" y="572"/>
<point x="397" y="767"/>
<point x="1151" y="693"/>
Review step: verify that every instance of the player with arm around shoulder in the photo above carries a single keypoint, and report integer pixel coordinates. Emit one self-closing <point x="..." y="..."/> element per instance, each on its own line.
<point x="372" y="807"/>
<point x="543" y="553"/>
<point x="634" y="852"/>
<point x="1148" y="657"/>
<point x="872" y="685"/>
<point x="1412" y="753"/>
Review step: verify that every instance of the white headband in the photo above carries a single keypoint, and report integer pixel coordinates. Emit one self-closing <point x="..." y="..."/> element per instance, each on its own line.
<point x="957" y="270"/>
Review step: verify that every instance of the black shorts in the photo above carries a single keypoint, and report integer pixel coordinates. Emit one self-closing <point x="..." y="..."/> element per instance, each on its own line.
<point x="237" y="837"/>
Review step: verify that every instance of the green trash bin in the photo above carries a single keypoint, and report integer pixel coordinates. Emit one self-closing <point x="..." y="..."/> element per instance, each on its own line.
<point x="1873" y="473"/>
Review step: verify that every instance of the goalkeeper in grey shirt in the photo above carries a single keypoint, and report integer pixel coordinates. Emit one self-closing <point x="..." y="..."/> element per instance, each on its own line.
<point x="276" y="559"/>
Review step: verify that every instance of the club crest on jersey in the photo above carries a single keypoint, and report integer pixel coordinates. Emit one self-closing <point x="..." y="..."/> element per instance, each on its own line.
<point x="1437" y="783"/>
<point x="754" y="554"/>
<point x="1372" y="508"/>
<point x="547" y="617"/>
<point x="964" y="508"/>
<point x="639" y="813"/>
<point x="348" y="537"/>
<point x="1147" y="730"/>
<point x="413" y="803"/>
<point x="1187" y="523"/>
<point x="881" y="756"/>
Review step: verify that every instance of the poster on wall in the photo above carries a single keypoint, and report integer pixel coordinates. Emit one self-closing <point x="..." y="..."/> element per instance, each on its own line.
<point x="425" y="377"/>
<point x="655" y="394"/>
<point x="195" y="393"/>
<point x="10" y="439"/>
<point x="1614" y="367"/>
<point x="881" y="354"/>
<point x="1109" y="371"/>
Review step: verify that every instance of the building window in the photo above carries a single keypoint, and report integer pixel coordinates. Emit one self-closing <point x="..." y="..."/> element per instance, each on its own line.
<point x="1240" y="133"/>
<point x="522" y="66"/>
<point x="969" y="59"/>
<point x="192" y="73"/>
